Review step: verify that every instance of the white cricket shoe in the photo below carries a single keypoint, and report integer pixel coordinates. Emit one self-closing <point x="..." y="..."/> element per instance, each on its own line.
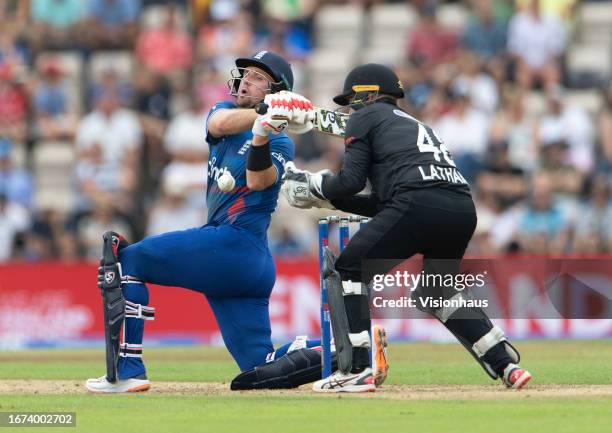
<point x="515" y="377"/>
<point x="102" y="385"/>
<point x="352" y="382"/>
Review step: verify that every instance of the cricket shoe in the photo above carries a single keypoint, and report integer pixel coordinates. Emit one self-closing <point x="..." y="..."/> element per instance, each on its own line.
<point x="102" y="385"/>
<point x="380" y="362"/>
<point x="515" y="377"/>
<point x="351" y="382"/>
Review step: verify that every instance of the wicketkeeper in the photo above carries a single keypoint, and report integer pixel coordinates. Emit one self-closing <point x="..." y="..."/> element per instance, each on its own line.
<point x="419" y="203"/>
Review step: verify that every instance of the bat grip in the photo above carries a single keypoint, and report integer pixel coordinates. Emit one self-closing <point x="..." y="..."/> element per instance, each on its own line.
<point x="261" y="108"/>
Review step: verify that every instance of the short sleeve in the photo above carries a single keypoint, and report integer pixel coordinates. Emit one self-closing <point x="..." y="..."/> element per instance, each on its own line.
<point x="218" y="106"/>
<point x="282" y="150"/>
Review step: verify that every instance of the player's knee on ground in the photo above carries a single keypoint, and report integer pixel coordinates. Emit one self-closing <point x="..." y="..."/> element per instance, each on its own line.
<point x="289" y="371"/>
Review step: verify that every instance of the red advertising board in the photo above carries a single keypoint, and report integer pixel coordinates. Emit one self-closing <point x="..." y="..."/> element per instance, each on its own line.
<point x="59" y="304"/>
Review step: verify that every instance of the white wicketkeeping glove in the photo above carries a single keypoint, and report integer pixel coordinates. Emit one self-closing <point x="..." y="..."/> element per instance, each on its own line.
<point x="302" y="189"/>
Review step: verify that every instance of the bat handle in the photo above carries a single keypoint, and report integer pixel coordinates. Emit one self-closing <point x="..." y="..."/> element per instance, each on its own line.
<point x="261" y="108"/>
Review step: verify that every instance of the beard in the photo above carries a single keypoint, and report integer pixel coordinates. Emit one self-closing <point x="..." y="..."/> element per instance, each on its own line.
<point x="246" y="101"/>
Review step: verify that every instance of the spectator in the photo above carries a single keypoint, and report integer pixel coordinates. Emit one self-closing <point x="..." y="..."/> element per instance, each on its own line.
<point x="57" y="22"/>
<point x="15" y="12"/>
<point x="482" y="88"/>
<point x="481" y="242"/>
<point x="14" y="219"/>
<point x="544" y="226"/>
<point x="13" y="105"/>
<point x="563" y="10"/>
<point x="536" y="42"/>
<point x="116" y="129"/>
<point x="153" y="93"/>
<point x="293" y="233"/>
<point x="593" y="232"/>
<point x="166" y="50"/>
<point x="565" y="179"/>
<point x="285" y="244"/>
<point x="112" y="81"/>
<point x="418" y="89"/>
<point x="210" y="88"/>
<point x="512" y="125"/>
<point x="36" y="244"/>
<point x="103" y="182"/>
<point x="604" y="131"/>
<point x="287" y="27"/>
<point x="15" y="183"/>
<point x="152" y="98"/>
<point x="113" y="23"/>
<point x="464" y="131"/>
<point x="54" y="117"/>
<point x="430" y="44"/>
<point x="228" y="36"/>
<point x="184" y="139"/>
<point x="571" y="124"/>
<point x="189" y="176"/>
<point x="500" y="182"/>
<point x="12" y="53"/>
<point x="90" y="227"/>
<point x="185" y="144"/>
<point x="485" y="35"/>
<point x="47" y="239"/>
<point x="108" y="144"/>
<point x="172" y="211"/>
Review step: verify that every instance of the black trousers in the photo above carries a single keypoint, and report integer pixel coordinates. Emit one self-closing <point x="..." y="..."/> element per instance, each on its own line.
<point x="433" y="222"/>
<point x="436" y="223"/>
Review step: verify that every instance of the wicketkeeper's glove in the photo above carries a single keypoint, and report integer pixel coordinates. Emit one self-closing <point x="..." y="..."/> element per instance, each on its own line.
<point x="302" y="188"/>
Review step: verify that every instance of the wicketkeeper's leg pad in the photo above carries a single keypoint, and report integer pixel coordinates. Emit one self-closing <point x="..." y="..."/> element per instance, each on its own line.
<point x="474" y="330"/>
<point x="348" y="301"/>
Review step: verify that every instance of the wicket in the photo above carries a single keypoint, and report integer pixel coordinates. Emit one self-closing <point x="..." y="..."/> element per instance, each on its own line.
<point x="343" y="239"/>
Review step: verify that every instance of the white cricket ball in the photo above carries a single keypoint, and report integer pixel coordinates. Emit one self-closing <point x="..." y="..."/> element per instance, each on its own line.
<point x="226" y="182"/>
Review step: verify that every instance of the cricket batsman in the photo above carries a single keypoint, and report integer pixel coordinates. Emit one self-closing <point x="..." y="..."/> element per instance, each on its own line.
<point x="227" y="260"/>
<point x="419" y="204"/>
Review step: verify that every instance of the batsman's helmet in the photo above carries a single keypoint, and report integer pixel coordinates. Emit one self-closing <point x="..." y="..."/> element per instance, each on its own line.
<point x="370" y="77"/>
<point x="273" y="64"/>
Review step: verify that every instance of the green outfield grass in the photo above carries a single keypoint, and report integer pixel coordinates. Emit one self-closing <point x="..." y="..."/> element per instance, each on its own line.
<point x="554" y="364"/>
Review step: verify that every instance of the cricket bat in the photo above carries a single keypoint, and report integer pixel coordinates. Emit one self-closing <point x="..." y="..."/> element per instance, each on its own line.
<point x="326" y="121"/>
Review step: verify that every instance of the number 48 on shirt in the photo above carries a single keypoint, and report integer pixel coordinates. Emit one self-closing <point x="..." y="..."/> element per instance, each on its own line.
<point x="426" y="144"/>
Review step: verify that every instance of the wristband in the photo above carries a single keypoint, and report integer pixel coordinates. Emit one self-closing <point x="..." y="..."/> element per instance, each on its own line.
<point x="259" y="158"/>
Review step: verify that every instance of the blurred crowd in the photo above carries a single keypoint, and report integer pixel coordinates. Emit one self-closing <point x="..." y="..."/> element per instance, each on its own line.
<point x="541" y="182"/>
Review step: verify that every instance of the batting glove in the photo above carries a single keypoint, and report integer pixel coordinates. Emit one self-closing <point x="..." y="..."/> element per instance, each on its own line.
<point x="280" y="104"/>
<point x="266" y="124"/>
<point x="303" y="114"/>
